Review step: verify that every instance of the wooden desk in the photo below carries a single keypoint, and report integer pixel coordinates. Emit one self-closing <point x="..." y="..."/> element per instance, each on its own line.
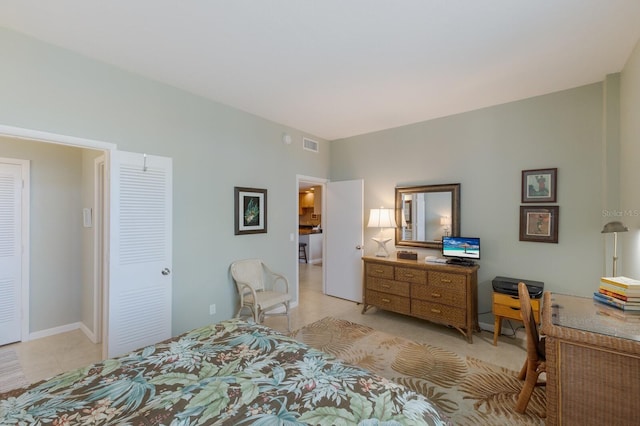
<point x="593" y="362"/>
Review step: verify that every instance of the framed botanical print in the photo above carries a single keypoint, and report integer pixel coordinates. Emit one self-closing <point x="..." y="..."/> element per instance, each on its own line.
<point x="250" y="210"/>
<point x="539" y="223"/>
<point x="539" y="186"/>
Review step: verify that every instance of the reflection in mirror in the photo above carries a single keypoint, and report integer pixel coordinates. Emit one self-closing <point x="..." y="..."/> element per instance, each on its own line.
<point x="427" y="213"/>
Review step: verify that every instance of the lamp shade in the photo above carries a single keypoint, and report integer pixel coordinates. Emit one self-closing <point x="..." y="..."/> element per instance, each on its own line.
<point x="445" y="220"/>
<point x="614" y="226"/>
<point x="381" y="218"/>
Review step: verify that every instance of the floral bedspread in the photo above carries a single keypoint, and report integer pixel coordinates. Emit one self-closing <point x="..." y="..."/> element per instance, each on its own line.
<point x="233" y="373"/>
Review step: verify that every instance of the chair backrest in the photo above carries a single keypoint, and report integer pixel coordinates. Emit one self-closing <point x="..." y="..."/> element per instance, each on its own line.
<point x="249" y="271"/>
<point x="531" y="328"/>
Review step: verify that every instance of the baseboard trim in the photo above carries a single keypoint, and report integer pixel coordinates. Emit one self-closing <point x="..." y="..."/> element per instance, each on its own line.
<point x="485" y="326"/>
<point x="53" y="331"/>
<point x="62" y="329"/>
<point x="88" y="333"/>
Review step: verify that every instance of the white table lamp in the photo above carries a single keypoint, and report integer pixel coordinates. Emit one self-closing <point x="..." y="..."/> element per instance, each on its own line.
<point x="446" y="222"/>
<point x="382" y="218"/>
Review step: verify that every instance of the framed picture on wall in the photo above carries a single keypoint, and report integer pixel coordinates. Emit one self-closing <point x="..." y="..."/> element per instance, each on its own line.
<point x="539" y="186"/>
<point x="250" y="210"/>
<point x="539" y="223"/>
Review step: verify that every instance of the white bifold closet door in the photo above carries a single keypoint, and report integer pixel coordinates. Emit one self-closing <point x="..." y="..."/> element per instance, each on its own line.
<point x="10" y="252"/>
<point x="140" y="264"/>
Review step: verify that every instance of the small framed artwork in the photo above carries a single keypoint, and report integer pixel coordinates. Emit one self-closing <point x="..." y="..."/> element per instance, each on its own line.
<point x="539" y="223"/>
<point x="539" y="186"/>
<point x="250" y="211"/>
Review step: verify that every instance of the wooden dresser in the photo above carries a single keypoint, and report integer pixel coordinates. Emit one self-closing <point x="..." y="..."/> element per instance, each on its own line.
<point x="441" y="293"/>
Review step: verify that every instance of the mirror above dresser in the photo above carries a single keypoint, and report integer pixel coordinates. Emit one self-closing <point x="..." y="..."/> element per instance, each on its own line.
<point x="426" y="213"/>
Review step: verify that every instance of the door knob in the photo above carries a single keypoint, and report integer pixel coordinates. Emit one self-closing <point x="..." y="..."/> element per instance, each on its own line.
<point x="358" y="247"/>
<point x="166" y="271"/>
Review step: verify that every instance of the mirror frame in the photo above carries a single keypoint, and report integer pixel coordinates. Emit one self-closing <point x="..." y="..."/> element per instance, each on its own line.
<point x="453" y="188"/>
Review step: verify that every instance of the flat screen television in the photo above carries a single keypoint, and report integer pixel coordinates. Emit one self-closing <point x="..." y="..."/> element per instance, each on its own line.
<point x="463" y="249"/>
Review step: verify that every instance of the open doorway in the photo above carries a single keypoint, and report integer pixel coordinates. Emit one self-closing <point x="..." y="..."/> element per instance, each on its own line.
<point x="60" y="250"/>
<point x="311" y="245"/>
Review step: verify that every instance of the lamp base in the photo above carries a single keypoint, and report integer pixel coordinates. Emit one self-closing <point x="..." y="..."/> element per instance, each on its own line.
<point x="382" y="246"/>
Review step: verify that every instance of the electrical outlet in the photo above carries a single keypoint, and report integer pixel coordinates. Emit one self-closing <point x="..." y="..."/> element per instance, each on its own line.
<point x="212" y="309"/>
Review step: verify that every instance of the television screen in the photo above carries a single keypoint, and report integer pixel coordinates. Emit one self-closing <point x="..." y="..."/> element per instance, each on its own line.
<point x="461" y="247"/>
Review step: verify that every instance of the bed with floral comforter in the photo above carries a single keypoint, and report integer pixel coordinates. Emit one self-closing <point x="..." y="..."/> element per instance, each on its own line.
<point x="232" y="372"/>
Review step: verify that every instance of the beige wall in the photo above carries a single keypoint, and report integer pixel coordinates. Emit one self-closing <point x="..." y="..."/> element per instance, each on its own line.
<point x="629" y="255"/>
<point x="88" y="303"/>
<point x="485" y="151"/>
<point x="214" y="148"/>
<point x="56" y="231"/>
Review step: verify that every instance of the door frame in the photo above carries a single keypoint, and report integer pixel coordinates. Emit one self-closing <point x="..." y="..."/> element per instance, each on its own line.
<point x="323" y="183"/>
<point x="54" y="138"/>
<point x="99" y="258"/>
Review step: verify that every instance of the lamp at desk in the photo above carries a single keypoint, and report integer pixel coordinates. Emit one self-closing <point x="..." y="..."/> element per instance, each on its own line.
<point x="381" y="218"/>
<point x="614" y="227"/>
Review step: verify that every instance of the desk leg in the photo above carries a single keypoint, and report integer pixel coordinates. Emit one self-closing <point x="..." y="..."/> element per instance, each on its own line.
<point x="497" y="329"/>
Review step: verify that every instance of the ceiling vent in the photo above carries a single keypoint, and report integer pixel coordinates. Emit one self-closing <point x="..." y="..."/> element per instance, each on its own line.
<point x="310" y="144"/>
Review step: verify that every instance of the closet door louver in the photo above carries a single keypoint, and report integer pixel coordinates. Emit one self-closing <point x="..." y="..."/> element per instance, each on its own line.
<point x="10" y="252"/>
<point x="140" y="260"/>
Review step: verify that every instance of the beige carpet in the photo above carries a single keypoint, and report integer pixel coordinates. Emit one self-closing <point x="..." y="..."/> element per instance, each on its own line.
<point x="470" y="391"/>
<point x="11" y="375"/>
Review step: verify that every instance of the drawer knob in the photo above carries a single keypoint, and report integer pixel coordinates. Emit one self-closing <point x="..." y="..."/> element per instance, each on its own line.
<point x="436" y="295"/>
<point x="386" y="300"/>
<point x="378" y="271"/>
<point x="409" y="275"/>
<point x="386" y="286"/>
<point x="436" y="311"/>
<point x="514" y="308"/>
<point x="444" y="280"/>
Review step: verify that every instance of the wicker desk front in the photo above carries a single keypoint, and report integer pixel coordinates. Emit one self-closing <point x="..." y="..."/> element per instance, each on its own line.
<point x="593" y="363"/>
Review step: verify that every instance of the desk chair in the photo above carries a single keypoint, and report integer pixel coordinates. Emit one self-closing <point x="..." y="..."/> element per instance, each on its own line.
<point x="535" y="364"/>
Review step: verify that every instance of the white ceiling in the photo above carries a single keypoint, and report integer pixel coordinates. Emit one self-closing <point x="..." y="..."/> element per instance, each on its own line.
<point x="338" y="68"/>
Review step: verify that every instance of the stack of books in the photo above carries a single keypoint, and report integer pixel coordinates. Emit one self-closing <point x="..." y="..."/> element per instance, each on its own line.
<point x="619" y="292"/>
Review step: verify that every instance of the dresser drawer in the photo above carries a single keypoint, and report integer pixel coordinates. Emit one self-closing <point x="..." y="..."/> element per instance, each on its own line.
<point x="453" y="295"/>
<point x="411" y="275"/>
<point x="398" y="288"/>
<point x="446" y="279"/>
<point x="436" y="312"/>
<point x="388" y="302"/>
<point x="378" y="270"/>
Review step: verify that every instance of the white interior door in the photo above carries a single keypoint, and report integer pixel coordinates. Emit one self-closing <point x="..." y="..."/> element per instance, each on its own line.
<point x="344" y="239"/>
<point x="139" y="294"/>
<point x="11" y="248"/>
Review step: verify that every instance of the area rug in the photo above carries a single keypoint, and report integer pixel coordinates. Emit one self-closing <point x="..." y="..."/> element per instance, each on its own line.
<point x="11" y="375"/>
<point x="470" y="391"/>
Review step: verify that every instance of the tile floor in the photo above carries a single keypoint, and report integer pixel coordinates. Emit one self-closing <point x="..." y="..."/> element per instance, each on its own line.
<point x="48" y="356"/>
<point x="43" y="358"/>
